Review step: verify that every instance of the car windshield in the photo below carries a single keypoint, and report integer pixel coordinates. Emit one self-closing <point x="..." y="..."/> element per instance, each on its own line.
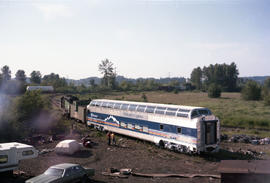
<point x="54" y="172"/>
<point x="204" y="112"/>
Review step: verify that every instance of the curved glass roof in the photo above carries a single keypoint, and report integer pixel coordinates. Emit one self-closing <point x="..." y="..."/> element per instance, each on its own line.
<point x="142" y="107"/>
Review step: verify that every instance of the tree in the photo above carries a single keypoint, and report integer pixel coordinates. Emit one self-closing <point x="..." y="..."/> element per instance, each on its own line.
<point x="54" y="80"/>
<point x="196" y="78"/>
<point x="6" y="73"/>
<point x="223" y="75"/>
<point x="35" y="77"/>
<point x="109" y="74"/>
<point x="251" y="91"/>
<point x="20" y="76"/>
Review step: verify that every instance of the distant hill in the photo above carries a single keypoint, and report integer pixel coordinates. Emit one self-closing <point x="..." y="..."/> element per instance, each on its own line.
<point x="119" y="79"/>
<point x="259" y="79"/>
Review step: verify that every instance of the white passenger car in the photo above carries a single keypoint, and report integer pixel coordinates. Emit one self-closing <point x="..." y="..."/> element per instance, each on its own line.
<point x="41" y="88"/>
<point x="177" y="127"/>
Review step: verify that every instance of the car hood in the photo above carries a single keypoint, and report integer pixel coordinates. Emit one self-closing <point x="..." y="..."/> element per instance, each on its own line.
<point x="43" y="179"/>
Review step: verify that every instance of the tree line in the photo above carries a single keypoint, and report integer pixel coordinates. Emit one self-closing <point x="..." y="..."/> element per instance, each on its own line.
<point x="61" y="85"/>
<point x="213" y="78"/>
<point x="224" y="78"/>
<point x="18" y="85"/>
<point x="223" y="75"/>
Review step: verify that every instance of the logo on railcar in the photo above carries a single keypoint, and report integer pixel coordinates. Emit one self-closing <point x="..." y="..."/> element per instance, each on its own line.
<point x="112" y="119"/>
<point x="94" y="116"/>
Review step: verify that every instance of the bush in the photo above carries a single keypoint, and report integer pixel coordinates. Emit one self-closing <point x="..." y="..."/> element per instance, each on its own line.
<point x="144" y="97"/>
<point x="214" y="91"/>
<point x="31" y="103"/>
<point x="251" y="91"/>
<point x="175" y="91"/>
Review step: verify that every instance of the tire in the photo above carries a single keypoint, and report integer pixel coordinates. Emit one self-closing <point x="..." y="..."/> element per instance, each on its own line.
<point x="84" y="179"/>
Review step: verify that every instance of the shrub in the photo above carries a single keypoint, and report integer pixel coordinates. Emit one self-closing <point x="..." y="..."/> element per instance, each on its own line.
<point x="144" y="97"/>
<point x="214" y="91"/>
<point x="175" y="91"/>
<point x="251" y="91"/>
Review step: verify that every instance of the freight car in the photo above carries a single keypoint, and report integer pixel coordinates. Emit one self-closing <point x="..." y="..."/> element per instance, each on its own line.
<point x="74" y="108"/>
<point x="78" y="110"/>
<point x="177" y="127"/>
<point x="66" y="102"/>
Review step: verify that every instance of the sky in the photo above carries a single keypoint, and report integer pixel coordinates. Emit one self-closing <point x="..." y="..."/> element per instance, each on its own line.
<point x="143" y="38"/>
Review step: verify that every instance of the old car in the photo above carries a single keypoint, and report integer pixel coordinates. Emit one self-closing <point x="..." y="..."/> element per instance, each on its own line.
<point x="65" y="172"/>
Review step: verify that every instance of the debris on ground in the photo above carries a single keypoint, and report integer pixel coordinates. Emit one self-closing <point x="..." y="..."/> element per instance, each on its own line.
<point x="249" y="152"/>
<point x="45" y="151"/>
<point x="19" y="173"/>
<point x="113" y="172"/>
<point x="176" y="175"/>
<point x="126" y="172"/>
<point x="248" y="139"/>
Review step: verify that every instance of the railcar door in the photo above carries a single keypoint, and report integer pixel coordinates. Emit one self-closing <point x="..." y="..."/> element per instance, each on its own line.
<point x="210" y="133"/>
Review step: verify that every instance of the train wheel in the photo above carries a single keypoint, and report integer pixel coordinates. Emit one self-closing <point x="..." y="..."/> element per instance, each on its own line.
<point x="161" y="144"/>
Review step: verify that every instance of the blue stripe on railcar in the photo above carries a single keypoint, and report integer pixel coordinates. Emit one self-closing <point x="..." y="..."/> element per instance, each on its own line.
<point x="151" y="125"/>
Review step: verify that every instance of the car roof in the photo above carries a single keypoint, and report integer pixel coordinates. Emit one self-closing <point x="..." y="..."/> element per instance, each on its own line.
<point x="149" y="104"/>
<point x="64" y="165"/>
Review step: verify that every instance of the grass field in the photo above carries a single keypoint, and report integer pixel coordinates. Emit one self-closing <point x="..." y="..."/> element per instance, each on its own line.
<point x="230" y="108"/>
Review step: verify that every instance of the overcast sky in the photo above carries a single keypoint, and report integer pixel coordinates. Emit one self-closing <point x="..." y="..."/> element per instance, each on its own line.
<point x="142" y="38"/>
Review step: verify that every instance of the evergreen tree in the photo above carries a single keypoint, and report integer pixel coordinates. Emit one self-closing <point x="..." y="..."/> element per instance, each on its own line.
<point x="196" y="78"/>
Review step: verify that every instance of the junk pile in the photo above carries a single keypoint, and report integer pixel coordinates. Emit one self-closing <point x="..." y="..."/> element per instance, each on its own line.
<point x="87" y="142"/>
<point x="249" y="152"/>
<point x="246" y="139"/>
<point x="45" y="151"/>
<point x="126" y="172"/>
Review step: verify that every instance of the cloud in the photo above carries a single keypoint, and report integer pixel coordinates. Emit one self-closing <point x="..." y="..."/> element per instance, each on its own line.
<point x="52" y="11"/>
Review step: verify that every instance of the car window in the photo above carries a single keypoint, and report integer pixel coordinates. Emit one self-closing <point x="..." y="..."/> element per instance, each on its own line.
<point x="68" y="172"/>
<point x="54" y="172"/>
<point x="78" y="169"/>
<point x="194" y="113"/>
